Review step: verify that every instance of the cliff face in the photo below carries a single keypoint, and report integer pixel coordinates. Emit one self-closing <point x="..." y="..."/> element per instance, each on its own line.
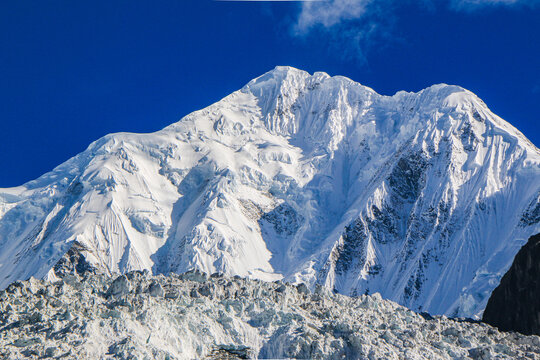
<point x="515" y="303"/>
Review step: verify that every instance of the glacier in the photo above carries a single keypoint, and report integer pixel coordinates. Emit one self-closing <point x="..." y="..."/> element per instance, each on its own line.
<point x="422" y="197"/>
<point x="193" y="316"/>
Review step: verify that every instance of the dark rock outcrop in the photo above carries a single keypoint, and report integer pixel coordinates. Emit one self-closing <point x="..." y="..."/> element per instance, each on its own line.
<point x="515" y="304"/>
<point x="74" y="262"/>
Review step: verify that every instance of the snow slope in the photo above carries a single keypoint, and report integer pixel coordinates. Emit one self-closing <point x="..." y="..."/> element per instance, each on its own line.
<point x="423" y="197"/>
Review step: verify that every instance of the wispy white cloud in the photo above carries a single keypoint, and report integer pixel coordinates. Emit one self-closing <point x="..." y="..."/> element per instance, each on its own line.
<point x="271" y="0"/>
<point x="351" y="26"/>
<point x="359" y="23"/>
<point x="330" y="13"/>
<point x="474" y="5"/>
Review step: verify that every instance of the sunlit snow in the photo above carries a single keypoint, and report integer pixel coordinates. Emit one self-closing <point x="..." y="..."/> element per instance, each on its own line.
<point x="423" y="197"/>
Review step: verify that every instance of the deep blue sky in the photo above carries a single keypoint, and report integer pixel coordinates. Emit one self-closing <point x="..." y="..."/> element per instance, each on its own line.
<point x="73" y="71"/>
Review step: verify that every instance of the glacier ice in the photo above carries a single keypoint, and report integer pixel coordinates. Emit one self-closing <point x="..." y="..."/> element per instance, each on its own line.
<point x="195" y="316"/>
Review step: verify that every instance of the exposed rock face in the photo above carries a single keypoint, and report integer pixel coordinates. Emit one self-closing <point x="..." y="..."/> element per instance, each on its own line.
<point x="515" y="303"/>
<point x="73" y="262"/>
<point x="193" y="316"/>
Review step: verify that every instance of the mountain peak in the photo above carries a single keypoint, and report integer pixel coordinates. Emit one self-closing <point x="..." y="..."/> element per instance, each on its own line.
<point x="307" y="178"/>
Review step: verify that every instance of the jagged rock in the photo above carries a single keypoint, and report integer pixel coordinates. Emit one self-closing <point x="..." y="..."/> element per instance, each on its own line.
<point x="194" y="293"/>
<point x="171" y="294"/>
<point x="155" y="289"/>
<point x="35" y="318"/>
<point x="73" y="262"/>
<point x="515" y="304"/>
<point x="480" y="353"/>
<point x="26" y="342"/>
<point x="303" y="289"/>
<point x="119" y="287"/>
<point x="49" y="352"/>
<point x="224" y="352"/>
<point x="194" y="275"/>
<point x="205" y="290"/>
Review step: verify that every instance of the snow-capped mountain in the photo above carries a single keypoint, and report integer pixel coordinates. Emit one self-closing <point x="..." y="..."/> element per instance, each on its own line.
<point x="424" y="197"/>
